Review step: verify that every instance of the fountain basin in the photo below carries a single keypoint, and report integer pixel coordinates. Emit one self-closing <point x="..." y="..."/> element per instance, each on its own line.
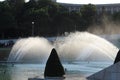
<point x="48" y="78"/>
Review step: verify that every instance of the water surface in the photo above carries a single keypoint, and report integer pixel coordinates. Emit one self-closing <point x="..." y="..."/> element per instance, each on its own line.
<point x="74" y="71"/>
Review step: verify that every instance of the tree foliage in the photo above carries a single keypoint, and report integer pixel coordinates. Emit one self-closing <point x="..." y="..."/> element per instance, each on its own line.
<point x="49" y="18"/>
<point x="88" y="14"/>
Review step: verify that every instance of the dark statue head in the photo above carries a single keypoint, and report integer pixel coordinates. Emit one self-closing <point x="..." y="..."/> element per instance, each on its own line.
<point x="54" y="67"/>
<point x="117" y="59"/>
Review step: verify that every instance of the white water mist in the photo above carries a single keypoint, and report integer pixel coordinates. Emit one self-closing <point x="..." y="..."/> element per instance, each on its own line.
<point x="86" y="47"/>
<point x="78" y="46"/>
<point x="33" y="49"/>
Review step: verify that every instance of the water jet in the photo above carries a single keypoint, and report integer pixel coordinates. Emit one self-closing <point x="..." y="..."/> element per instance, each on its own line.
<point x="84" y="46"/>
<point x="30" y="50"/>
<point x="77" y="46"/>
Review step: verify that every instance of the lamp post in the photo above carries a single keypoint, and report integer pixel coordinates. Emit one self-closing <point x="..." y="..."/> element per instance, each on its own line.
<point x="32" y="28"/>
<point x="75" y="27"/>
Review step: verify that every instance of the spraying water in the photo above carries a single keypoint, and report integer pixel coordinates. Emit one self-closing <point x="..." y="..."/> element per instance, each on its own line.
<point x="33" y="49"/>
<point x="76" y="46"/>
<point x="86" y="47"/>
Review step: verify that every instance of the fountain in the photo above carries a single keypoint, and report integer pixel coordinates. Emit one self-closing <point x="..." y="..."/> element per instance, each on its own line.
<point x="78" y="46"/>
<point x="85" y="47"/>
<point x="109" y="73"/>
<point x="54" y="69"/>
<point x="33" y="50"/>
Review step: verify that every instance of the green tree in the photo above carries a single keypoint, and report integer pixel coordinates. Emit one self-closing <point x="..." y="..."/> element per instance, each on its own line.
<point x="116" y="16"/>
<point x="30" y="4"/>
<point x="15" y="2"/>
<point x="43" y="13"/>
<point x="88" y="13"/>
<point x="76" y="17"/>
<point x="17" y="8"/>
<point x="51" y="6"/>
<point x="7" y="20"/>
<point x="5" y="14"/>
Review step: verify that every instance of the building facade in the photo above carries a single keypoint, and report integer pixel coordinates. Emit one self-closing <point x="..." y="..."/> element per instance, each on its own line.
<point x="108" y="8"/>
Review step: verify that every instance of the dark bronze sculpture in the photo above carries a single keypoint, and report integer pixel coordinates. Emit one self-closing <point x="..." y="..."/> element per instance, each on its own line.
<point x="54" y="67"/>
<point x="117" y="59"/>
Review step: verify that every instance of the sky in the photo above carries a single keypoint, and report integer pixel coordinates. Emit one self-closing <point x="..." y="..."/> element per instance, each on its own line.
<point x="87" y="1"/>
